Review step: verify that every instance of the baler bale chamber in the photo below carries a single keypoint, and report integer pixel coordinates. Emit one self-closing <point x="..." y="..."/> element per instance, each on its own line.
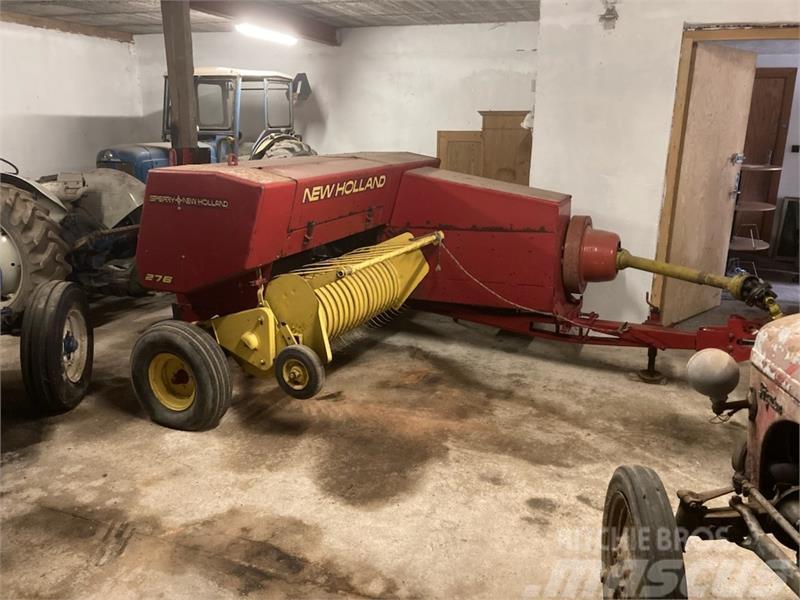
<point x="271" y="260"/>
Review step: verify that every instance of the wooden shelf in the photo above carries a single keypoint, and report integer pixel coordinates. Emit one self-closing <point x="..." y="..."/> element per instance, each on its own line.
<point x="754" y="207"/>
<point x="746" y="244"/>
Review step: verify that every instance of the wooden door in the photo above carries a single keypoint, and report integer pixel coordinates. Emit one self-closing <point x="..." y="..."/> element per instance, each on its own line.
<point x="506" y="146"/>
<point x="460" y="151"/>
<point x="765" y="143"/>
<point x="719" y="91"/>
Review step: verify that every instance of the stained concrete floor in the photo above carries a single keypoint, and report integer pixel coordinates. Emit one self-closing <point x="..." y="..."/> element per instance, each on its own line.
<point x="440" y="461"/>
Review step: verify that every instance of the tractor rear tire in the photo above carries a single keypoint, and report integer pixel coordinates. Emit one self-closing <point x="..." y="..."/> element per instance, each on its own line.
<point x="642" y="552"/>
<point x="56" y="347"/>
<point x="281" y="146"/>
<point x="37" y="243"/>
<point x="299" y="371"/>
<point x="180" y="376"/>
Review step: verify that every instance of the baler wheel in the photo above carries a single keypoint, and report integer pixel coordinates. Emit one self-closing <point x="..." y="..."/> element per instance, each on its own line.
<point x="299" y="371"/>
<point x="181" y="376"/>
<point x="642" y="554"/>
<point x="56" y="347"/>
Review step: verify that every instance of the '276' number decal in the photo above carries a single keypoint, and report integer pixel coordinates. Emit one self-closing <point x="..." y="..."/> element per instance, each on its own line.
<point x="158" y="278"/>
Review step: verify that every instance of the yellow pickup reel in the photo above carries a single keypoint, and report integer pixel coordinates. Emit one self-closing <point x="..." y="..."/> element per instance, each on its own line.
<point x="180" y="373"/>
<point x="301" y="312"/>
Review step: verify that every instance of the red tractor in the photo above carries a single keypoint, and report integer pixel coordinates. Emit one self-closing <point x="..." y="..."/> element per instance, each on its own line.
<point x="643" y="542"/>
<point x="271" y="260"/>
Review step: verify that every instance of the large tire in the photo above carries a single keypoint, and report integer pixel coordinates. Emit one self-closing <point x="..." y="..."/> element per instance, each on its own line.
<point x="56" y="347"/>
<point x="642" y="554"/>
<point x="181" y="376"/>
<point x="38" y="244"/>
<point x="281" y="145"/>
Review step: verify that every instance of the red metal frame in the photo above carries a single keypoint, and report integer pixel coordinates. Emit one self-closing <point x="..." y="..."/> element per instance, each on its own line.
<point x="736" y="337"/>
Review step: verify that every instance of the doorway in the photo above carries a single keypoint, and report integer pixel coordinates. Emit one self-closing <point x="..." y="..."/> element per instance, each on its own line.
<point x="767" y="180"/>
<point x="727" y="148"/>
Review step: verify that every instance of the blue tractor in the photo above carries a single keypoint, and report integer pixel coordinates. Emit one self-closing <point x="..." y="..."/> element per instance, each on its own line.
<point x="242" y="112"/>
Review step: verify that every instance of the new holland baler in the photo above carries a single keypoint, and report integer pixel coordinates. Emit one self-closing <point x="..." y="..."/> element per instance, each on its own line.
<point x="271" y="260"/>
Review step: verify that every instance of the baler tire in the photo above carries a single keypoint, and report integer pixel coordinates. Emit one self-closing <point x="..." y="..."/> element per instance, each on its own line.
<point x="638" y="523"/>
<point x="306" y="359"/>
<point x="42" y="251"/>
<point x="206" y="368"/>
<point x="56" y="315"/>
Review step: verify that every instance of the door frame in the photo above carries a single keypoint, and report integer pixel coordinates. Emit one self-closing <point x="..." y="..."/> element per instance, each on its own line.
<point x="691" y="36"/>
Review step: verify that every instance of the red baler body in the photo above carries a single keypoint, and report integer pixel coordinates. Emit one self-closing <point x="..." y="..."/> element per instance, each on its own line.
<point x="211" y="233"/>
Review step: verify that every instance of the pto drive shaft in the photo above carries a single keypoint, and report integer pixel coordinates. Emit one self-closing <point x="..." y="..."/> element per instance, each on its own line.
<point x="596" y="255"/>
<point x="746" y="287"/>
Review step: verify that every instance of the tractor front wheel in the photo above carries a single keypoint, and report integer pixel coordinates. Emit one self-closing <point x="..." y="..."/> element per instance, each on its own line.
<point x="56" y="347"/>
<point x="299" y="371"/>
<point x="181" y="376"/>
<point x="642" y="554"/>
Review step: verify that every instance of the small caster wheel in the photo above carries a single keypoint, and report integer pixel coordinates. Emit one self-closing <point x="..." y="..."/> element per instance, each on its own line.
<point x="642" y="554"/>
<point x="299" y="371"/>
<point x="56" y="347"/>
<point x="180" y="376"/>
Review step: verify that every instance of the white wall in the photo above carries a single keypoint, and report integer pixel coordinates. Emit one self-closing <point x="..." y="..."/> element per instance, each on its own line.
<point x="64" y="97"/>
<point x="604" y="100"/>
<point x="384" y="88"/>
<point x="790" y="176"/>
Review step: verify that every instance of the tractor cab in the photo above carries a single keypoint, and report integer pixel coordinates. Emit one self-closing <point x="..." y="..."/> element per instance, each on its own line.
<point x="243" y="112"/>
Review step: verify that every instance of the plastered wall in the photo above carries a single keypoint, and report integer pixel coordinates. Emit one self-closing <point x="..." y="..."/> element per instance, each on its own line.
<point x="384" y="88"/>
<point x="64" y="97"/>
<point x="604" y="101"/>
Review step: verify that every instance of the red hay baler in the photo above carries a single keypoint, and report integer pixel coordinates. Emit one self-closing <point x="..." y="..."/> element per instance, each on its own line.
<point x="276" y="258"/>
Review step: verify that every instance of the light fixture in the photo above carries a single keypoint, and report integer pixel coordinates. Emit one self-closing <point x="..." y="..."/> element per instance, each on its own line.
<point x="262" y="33"/>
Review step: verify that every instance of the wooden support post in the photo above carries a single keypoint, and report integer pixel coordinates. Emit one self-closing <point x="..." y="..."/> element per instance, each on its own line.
<point x="180" y="72"/>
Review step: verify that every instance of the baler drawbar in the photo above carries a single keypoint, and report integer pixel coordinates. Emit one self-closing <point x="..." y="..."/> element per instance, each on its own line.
<point x="271" y="260"/>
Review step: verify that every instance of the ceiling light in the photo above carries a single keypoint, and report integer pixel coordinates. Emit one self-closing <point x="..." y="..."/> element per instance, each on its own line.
<point x="270" y="35"/>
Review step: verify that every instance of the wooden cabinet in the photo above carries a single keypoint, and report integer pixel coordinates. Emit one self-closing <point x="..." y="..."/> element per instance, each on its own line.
<point x="501" y="150"/>
<point x="460" y="151"/>
<point x="506" y="146"/>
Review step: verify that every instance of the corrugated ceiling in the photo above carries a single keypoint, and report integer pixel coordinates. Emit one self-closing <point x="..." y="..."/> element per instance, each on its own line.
<point x="144" y="16"/>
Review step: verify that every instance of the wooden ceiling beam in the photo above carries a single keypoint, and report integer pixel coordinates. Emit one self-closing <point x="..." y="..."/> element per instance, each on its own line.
<point x="65" y="26"/>
<point x="274" y="17"/>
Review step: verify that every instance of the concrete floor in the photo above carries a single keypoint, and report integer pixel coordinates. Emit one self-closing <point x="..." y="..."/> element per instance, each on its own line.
<point x="440" y="461"/>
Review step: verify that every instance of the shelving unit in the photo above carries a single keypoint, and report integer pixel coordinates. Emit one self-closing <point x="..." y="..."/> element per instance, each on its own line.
<point x="751" y="243"/>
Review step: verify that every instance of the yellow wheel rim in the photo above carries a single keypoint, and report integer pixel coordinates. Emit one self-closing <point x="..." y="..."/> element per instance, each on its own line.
<point x="172" y="381"/>
<point x="295" y="374"/>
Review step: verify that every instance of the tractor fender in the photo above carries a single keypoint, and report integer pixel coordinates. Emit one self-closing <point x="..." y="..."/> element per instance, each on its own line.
<point x="44" y="197"/>
<point x="111" y="195"/>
